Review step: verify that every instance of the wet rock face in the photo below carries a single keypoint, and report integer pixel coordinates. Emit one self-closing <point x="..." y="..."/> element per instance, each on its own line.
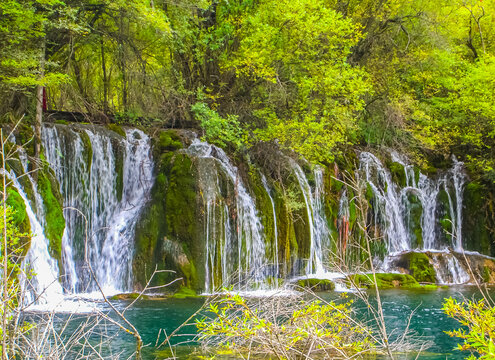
<point x="481" y="268"/>
<point x="168" y="234"/>
<point x="445" y="267"/>
<point x="478" y="228"/>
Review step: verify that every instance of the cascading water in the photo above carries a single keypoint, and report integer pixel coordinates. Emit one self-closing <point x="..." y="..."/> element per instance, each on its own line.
<point x="276" y="271"/>
<point x="388" y="210"/>
<point x="41" y="280"/>
<point x="343" y="224"/>
<point x="393" y="206"/>
<point x="233" y="245"/>
<point x="448" y="269"/>
<point x="458" y="180"/>
<point x="322" y="233"/>
<point x="105" y="180"/>
<point x="319" y="233"/>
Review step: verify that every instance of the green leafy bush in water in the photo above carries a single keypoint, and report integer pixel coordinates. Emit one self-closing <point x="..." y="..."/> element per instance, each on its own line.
<point x="283" y="327"/>
<point x="479" y="319"/>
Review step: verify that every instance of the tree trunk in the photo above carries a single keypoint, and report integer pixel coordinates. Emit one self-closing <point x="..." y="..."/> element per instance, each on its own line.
<point x="39" y="104"/>
<point x="105" y="80"/>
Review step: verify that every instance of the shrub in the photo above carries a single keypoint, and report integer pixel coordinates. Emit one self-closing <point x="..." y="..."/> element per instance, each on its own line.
<point x="283" y="327"/>
<point x="479" y="319"/>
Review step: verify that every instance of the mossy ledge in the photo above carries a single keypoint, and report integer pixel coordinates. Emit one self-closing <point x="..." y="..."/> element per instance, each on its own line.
<point x="316" y="284"/>
<point x="387" y="281"/>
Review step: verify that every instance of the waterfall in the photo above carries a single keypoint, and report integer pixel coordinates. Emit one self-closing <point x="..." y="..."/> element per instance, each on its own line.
<point x="232" y="231"/>
<point x="343" y="224"/>
<point x="318" y="228"/>
<point x="107" y="178"/>
<point x="322" y="233"/>
<point x="458" y="179"/>
<point x="392" y="204"/>
<point x="388" y="209"/>
<point x="41" y="279"/>
<point x="448" y="269"/>
<point x="276" y="272"/>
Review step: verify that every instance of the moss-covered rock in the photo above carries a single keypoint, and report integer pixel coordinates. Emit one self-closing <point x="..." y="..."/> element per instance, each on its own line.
<point x="178" y="257"/>
<point x="117" y="129"/>
<point x="168" y="235"/>
<point x="25" y="137"/>
<point x="52" y="201"/>
<point x="129" y="296"/>
<point x="180" y="198"/>
<point x="119" y="171"/>
<point x="398" y="174"/>
<point x="443" y="217"/>
<point x="169" y="141"/>
<point x="288" y="247"/>
<point x="384" y="281"/>
<point x="19" y="215"/>
<point x="88" y="148"/>
<point x="317" y="284"/>
<point x="480" y="268"/>
<point x="488" y="275"/>
<point x="418" y="265"/>
<point x="414" y="220"/>
<point x="475" y="226"/>
<point x="185" y="292"/>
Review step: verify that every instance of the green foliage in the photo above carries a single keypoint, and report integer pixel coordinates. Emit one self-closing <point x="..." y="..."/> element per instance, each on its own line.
<point x="478" y="320"/>
<point x="309" y="75"/>
<point x="234" y="323"/>
<point x="293" y="54"/>
<point x="23" y="27"/>
<point x="218" y="130"/>
<point x="16" y="242"/>
<point x="16" y="246"/>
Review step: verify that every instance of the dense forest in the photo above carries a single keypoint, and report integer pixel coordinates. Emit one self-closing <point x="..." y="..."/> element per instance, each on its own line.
<point x="311" y="76"/>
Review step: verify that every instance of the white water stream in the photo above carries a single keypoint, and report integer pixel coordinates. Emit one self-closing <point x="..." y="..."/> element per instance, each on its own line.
<point x="100" y="222"/>
<point x="233" y="230"/>
<point x="392" y="207"/>
<point x="276" y="272"/>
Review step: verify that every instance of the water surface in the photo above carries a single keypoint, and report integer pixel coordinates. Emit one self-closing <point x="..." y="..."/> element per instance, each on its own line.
<point x="155" y="318"/>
